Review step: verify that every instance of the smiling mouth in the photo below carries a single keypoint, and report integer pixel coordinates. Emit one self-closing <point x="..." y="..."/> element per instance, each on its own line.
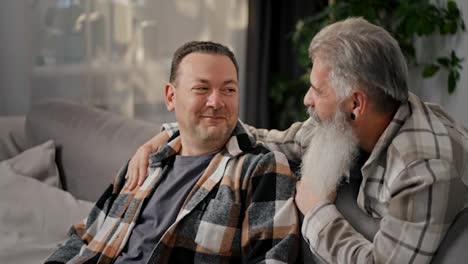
<point x="213" y="120"/>
<point x="214" y="117"/>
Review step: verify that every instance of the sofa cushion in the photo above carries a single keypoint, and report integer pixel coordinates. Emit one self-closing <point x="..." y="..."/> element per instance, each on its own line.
<point x="37" y="162"/>
<point x="34" y="216"/>
<point x="12" y="138"/>
<point x="91" y="144"/>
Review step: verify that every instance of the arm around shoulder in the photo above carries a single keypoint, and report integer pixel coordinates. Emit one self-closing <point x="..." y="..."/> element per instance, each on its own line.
<point x="292" y="141"/>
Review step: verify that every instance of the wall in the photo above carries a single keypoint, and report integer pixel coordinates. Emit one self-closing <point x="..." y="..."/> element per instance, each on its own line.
<point x="435" y="89"/>
<point x="15" y="57"/>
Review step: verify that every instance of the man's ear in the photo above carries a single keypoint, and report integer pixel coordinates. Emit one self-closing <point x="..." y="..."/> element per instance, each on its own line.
<point x="360" y="103"/>
<point x="169" y="97"/>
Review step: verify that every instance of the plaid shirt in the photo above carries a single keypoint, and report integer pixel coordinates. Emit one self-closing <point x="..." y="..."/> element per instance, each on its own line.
<point x="415" y="181"/>
<point x="240" y="210"/>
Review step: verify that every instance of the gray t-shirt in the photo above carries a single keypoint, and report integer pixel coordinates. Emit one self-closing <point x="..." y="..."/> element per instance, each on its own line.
<point x="162" y="208"/>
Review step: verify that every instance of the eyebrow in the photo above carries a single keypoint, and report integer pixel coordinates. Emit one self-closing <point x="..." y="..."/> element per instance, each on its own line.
<point x="314" y="87"/>
<point x="231" y="81"/>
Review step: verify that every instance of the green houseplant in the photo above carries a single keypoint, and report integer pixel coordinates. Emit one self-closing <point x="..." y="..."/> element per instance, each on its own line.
<point x="406" y="20"/>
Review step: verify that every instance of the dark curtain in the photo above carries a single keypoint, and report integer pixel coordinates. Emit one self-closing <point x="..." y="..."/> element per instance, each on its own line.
<point x="270" y="52"/>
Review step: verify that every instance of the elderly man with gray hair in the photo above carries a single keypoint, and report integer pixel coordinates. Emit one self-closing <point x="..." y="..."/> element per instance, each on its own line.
<point x="407" y="157"/>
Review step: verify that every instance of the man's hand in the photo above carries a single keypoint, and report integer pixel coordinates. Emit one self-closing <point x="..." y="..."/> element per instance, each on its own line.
<point x="138" y="165"/>
<point x="306" y="200"/>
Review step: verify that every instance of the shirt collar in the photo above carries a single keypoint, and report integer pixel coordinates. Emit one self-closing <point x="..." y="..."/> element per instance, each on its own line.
<point x="402" y="114"/>
<point x="240" y="141"/>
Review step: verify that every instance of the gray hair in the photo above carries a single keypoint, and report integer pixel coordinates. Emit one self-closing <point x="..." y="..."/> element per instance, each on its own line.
<point x="366" y="56"/>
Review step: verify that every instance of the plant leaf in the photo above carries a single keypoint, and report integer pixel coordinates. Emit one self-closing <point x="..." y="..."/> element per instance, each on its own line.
<point x="452" y="8"/>
<point x="454" y="59"/>
<point x="452" y="82"/>
<point x="444" y="61"/>
<point x="430" y="70"/>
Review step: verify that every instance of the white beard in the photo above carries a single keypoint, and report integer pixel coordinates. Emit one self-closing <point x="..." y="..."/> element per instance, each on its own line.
<point x="329" y="156"/>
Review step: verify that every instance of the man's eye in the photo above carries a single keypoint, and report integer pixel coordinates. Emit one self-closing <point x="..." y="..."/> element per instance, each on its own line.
<point x="230" y="90"/>
<point x="314" y="89"/>
<point x="200" y="89"/>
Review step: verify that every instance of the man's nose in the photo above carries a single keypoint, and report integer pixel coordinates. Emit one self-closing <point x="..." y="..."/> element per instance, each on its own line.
<point x="309" y="99"/>
<point x="214" y="100"/>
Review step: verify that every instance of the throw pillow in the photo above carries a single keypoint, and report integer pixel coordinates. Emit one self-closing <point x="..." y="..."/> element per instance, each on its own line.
<point x="37" y="162"/>
<point x="34" y="217"/>
<point x="12" y="138"/>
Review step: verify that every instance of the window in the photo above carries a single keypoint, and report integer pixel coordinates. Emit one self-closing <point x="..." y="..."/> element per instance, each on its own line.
<point x="115" y="54"/>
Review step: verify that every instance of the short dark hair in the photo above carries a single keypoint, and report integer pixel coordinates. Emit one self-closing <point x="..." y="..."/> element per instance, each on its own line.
<point x="206" y="47"/>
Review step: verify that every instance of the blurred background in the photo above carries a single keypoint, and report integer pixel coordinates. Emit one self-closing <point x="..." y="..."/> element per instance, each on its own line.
<point x="115" y="54"/>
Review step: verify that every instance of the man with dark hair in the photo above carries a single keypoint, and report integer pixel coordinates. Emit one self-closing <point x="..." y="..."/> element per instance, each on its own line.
<point x="212" y="194"/>
<point x="408" y="157"/>
<point x="202" y="47"/>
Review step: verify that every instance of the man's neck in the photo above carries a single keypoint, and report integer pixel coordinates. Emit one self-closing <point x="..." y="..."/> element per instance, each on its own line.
<point x="191" y="148"/>
<point x="372" y="129"/>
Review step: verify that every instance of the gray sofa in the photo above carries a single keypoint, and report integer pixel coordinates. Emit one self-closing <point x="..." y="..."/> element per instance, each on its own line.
<point x="92" y="145"/>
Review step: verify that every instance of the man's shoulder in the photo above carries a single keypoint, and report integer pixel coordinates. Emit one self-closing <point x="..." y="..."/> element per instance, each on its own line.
<point x="261" y="160"/>
<point x="267" y="173"/>
<point x="429" y="133"/>
<point x="260" y="152"/>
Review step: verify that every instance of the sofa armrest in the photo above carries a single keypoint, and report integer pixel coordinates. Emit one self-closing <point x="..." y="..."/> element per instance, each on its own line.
<point x="92" y="145"/>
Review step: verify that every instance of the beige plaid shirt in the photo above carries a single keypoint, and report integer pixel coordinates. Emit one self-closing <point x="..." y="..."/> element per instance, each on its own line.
<point x="415" y="181"/>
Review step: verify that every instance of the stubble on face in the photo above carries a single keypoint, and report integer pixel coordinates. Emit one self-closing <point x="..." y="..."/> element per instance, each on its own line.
<point x="206" y="101"/>
<point x="213" y="125"/>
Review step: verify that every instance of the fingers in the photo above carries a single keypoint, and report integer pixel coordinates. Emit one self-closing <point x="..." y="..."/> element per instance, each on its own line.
<point x="143" y="164"/>
<point x="138" y="165"/>
<point x="143" y="167"/>
<point x="132" y="183"/>
<point x="130" y="172"/>
<point x="137" y="168"/>
<point x="134" y="174"/>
